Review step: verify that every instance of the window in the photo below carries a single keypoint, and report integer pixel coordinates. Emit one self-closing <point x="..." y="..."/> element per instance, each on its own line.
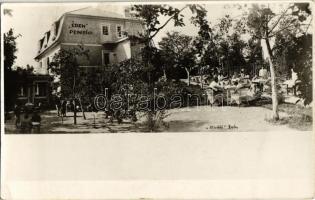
<point x="56" y="27"/>
<point x="41" y="89"/>
<point x="21" y="92"/>
<point x="105" y="30"/>
<point x="36" y="90"/>
<point x="48" y="62"/>
<point x="40" y="64"/>
<point x="41" y="41"/>
<point x="106" y="58"/>
<point x="119" y="32"/>
<point x="48" y="36"/>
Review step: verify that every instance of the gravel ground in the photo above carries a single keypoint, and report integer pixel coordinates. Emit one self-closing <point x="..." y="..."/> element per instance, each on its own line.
<point x="193" y="119"/>
<point x="208" y="118"/>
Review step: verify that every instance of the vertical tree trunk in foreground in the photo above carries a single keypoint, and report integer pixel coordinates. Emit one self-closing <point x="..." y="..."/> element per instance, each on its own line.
<point x="74" y="112"/>
<point x="188" y="75"/>
<point x="82" y="109"/>
<point x="274" y="95"/>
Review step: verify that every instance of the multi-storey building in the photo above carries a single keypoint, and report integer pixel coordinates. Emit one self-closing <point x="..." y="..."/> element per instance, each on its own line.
<point x="106" y="35"/>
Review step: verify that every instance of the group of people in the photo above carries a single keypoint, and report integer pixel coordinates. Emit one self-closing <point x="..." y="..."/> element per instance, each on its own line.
<point x="27" y="118"/>
<point x="219" y="82"/>
<point x="239" y="83"/>
<point x="63" y="106"/>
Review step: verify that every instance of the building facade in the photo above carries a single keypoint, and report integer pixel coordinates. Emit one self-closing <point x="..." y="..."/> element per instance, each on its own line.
<point x="35" y="89"/>
<point x="106" y="35"/>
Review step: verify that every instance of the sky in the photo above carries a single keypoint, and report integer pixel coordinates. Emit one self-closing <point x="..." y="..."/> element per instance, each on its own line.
<point x="33" y="20"/>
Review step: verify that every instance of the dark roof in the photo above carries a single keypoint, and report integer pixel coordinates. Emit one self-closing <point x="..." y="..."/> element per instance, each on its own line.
<point x="90" y="11"/>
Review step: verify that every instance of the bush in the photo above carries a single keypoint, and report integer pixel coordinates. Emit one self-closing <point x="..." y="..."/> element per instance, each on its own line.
<point x="189" y="95"/>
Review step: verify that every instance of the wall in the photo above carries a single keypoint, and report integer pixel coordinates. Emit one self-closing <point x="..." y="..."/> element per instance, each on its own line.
<point x="50" y="54"/>
<point x="95" y="54"/>
<point x="29" y="85"/>
<point x="136" y="50"/>
<point x="88" y="30"/>
<point x="134" y="28"/>
<point x="123" y="51"/>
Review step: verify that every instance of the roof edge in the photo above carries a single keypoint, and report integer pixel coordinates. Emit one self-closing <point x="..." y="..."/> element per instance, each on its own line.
<point x="56" y="40"/>
<point x="103" y="17"/>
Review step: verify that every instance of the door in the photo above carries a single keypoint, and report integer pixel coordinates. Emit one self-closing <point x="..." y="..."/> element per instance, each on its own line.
<point x="106" y="59"/>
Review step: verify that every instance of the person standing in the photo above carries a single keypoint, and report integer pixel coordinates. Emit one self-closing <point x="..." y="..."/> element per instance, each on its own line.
<point x="17" y="113"/>
<point x="63" y="108"/>
<point x="58" y="105"/>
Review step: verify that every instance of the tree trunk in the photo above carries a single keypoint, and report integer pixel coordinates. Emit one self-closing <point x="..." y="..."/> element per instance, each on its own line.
<point x="150" y="113"/>
<point x="274" y="95"/>
<point x="83" y="113"/>
<point x="188" y="75"/>
<point x="74" y="112"/>
<point x="164" y="74"/>
<point x="201" y="79"/>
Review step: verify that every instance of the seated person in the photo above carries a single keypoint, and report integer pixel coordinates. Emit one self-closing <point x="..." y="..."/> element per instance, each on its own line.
<point x="215" y="86"/>
<point x="235" y="77"/>
<point x="26" y="122"/>
<point x="242" y="74"/>
<point x="207" y="80"/>
<point x="234" y="82"/>
<point x="220" y="77"/>
<point x="253" y="92"/>
<point x="263" y="73"/>
<point x="294" y="79"/>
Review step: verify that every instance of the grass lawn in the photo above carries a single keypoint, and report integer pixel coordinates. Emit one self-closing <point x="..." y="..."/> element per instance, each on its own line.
<point x="299" y="117"/>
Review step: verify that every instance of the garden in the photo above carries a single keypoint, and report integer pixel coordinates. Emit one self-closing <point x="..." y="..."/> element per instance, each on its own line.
<point x="219" y="78"/>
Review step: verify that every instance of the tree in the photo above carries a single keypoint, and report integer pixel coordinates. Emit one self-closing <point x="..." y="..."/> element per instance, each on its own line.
<point x="204" y="34"/>
<point x="10" y="86"/>
<point x="225" y="48"/>
<point x="297" y="55"/>
<point x="293" y="48"/>
<point x="178" y="52"/>
<point x="264" y="24"/>
<point x="65" y="64"/>
<point x="253" y="52"/>
<point x="150" y="15"/>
